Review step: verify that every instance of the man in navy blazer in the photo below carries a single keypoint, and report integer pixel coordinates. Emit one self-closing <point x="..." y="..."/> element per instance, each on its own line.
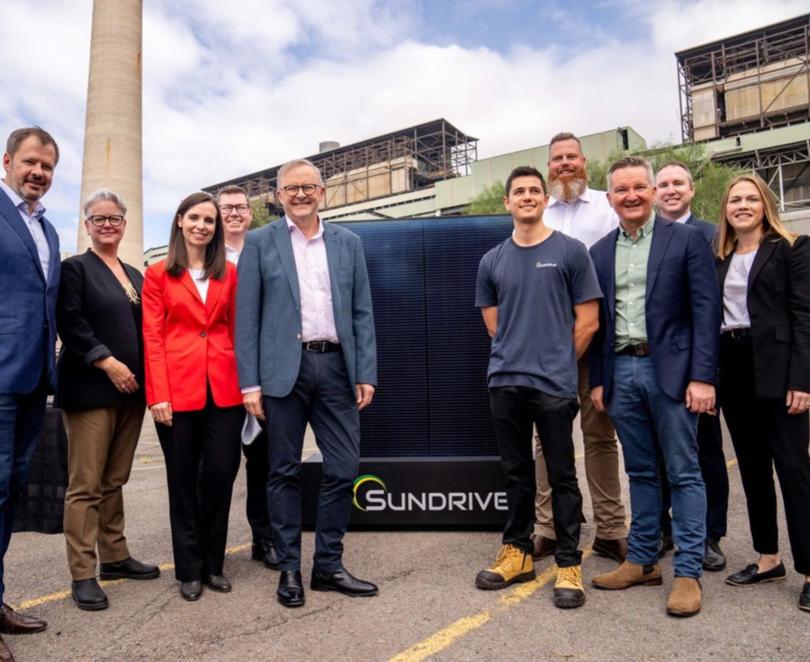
<point x="653" y="366"/>
<point x="675" y="189"/>
<point x="306" y="353"/>
<point x="29" y="280"/>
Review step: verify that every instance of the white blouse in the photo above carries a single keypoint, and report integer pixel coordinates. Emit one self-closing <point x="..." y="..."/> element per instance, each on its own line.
<point x="735" y="292"/>
<point x="200" y="282"/>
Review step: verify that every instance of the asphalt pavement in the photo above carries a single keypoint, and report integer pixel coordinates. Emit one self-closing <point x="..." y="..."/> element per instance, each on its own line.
<point x="428" y="606"/>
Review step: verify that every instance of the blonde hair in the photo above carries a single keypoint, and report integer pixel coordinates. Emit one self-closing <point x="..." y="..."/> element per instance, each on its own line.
<point x="771" y="223"/>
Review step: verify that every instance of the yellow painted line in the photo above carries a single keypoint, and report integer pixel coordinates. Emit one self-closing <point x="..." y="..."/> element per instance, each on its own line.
<point x="447" y="636"/>
<point x="731" y="462"/>
<point x="63" y="595"/>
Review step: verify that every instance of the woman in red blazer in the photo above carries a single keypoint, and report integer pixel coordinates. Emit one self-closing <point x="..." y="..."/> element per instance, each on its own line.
<point x="192" y="388"/>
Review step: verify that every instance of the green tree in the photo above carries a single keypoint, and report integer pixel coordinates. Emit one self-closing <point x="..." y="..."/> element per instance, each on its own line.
<point x="488" y="201"/>
<point x="261" y="214"/>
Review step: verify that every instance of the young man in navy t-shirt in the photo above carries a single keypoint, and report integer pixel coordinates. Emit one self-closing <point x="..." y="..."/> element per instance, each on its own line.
<point x="539" y="297"/>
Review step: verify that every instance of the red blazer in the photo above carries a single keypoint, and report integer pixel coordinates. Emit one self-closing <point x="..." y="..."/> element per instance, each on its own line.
<point x="188" y="343"/>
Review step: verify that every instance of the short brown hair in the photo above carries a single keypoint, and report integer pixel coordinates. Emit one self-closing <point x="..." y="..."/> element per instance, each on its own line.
<point x="677" y="164"/>
<point x="17" y="137"/>
<point x="232" y="189"/>
<point x="177" y="259"/>
<point x="564" y="135"/>
<point x="523" y="171"/>
<point x="631" y="162"/>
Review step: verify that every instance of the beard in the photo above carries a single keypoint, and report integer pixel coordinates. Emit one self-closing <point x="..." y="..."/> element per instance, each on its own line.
<point x="569" y="188"/>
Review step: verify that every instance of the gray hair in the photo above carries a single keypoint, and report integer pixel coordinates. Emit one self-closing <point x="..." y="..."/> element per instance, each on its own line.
<point x="103" y="194"/>
<point x="632" y="162"/>
<point x="283" y="170"/>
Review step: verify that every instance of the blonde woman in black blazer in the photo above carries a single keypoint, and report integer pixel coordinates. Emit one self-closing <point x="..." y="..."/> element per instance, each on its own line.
<point x="100" y="389"/>
<point x="763" y="272"/>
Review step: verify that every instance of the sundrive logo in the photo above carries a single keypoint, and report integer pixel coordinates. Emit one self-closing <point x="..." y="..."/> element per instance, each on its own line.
<point x="376" y="497"/>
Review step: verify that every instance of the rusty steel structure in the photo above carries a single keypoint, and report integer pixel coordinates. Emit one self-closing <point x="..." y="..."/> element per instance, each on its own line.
<point x="406" y="160"/>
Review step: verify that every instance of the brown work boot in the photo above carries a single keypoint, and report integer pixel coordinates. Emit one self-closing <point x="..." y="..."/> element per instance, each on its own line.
<point x="543" y="547"/>
<point x="684" y="599"/>
<point x="628" y="574"/>
<point x="615" y="549"/>
<point x="512" y="565"/>
<point x="568" y="590"/>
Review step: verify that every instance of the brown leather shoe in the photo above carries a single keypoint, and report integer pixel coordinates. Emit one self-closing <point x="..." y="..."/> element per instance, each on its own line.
<point x="543" y="547"/>
<point x="5" y="652"/>
<point x="628" y="574"/>
<point x="685" y="597"/>
<point x="13" y="623"/>
<point x="613" y="549"/>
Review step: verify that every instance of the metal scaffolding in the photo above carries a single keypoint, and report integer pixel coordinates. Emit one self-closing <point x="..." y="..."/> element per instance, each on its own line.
<point x="406" y="160"/>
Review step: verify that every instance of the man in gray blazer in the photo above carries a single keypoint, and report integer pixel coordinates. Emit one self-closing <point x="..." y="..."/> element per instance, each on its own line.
<point x="306" y="352"/>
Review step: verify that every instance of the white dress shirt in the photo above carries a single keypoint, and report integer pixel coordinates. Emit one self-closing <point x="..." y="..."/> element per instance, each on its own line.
<point x="231" y="254"/>
<point x="588" y="218"/>
<point x="314" y="287"/>
<point x="34" y="224"/>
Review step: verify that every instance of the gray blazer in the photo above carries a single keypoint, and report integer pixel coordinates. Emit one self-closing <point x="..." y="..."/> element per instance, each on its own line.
<point x="268" y="309"/>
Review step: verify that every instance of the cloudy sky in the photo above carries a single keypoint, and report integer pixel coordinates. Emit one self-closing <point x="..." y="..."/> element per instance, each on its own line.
<point x="234" y="87"/>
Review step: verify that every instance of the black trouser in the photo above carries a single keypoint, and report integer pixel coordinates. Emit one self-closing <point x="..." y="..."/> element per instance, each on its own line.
<point x="766" y="436"/>
<point x="201" y="450"/>
<point x="715" y="475"/>
<point x="514" y="410"/>
<point x="256" y="472"/>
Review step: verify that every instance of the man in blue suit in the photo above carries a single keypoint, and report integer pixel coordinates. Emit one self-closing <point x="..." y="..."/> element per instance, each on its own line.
<point x="306" y="351"/>
<point x="675" y="190"/>
<point x="653" y="368"/>
<point x="29" y="280"/>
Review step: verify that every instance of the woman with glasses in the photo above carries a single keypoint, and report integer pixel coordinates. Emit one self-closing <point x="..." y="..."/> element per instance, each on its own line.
<point x="764" y="275"/>
<point x="189" y="302"/>
<point x="100" y="390"/>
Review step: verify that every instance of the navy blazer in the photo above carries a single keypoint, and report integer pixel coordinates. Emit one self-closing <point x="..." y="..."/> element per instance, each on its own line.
<point x="709" y="230"/>
<point x="682" y="309"/>
<point x="27" y="304"/>
<point x="268" y="308"/>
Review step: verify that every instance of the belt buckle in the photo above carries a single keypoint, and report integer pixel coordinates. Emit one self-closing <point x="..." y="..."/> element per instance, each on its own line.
<point x="315" y="346"/>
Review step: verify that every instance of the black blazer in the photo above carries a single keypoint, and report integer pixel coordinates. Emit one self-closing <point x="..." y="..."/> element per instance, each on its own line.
<point x="96" y="319"/>
<point x="779" y="308"/>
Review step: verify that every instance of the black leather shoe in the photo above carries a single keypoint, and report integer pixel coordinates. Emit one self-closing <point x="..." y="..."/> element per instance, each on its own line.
<point x="290" y="589"/>
<point x="804" y="597"/>
<point x="615" y="549"/>
<point x="265" y="551"/>
<point x="192" y="590"/>
<point x="665" y="544"/>
<point x="218" y="583"/>
<point x="751" y="575"/>
<point x="129" y="569"/>
<point x="713" y="558"/>
<point x="343" y="582"/>
<point x="87" y="594"/>
<point x="543" y="547"/>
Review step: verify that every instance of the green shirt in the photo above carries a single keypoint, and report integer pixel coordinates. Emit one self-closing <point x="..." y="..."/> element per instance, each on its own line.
<point x="631" y="285"/>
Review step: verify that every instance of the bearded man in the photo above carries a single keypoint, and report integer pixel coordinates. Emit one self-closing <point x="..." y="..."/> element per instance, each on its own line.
<point x="584" y="214"/>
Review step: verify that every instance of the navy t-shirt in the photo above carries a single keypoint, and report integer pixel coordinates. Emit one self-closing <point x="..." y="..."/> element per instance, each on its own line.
<point x="535" y="289"/>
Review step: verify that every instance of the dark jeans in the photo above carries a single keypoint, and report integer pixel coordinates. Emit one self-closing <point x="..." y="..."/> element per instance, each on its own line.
<point x="766" y="436"/>
<point x="514" y="410"/>
<point x="201" y="449"/>
<point x="256" y="473"/>
<point x="322" y="396"/>
<point x="21" y="419"/>
<point x="715" y="476"/>
<point x="650" y="423"/>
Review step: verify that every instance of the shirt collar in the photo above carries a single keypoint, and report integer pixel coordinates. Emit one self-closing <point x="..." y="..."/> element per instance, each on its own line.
<point x="584" y="197"/>
<point x="16" y="200"/>
<point x="644" y="230"/>
<point x="685" y="217"/>
<point x="292" y="227"/>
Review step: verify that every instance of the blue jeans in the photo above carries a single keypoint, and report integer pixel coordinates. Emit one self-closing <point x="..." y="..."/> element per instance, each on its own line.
<point x="21" y="419"/>
<point x="648" y="421"/>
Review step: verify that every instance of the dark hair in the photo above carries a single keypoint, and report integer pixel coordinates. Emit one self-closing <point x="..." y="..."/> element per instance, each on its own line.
<point x="231" y="189"/>
<point x="177" y="259"/>
<point x="564" y="135"/>
<point x="523" y="171"/>
<point x="17" y="137"/>
<point x="632" y="162"/>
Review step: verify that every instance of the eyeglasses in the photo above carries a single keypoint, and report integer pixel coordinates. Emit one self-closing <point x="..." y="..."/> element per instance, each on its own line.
<point x="307" y="189"/>
<point x="239" y="209"/>
<point x="98" y="220"/>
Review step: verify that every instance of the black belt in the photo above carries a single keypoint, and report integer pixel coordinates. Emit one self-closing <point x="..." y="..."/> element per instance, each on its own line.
<point x="321" y="346"/>
<point x="738" y="334"/>
<point x="642" y="349"/>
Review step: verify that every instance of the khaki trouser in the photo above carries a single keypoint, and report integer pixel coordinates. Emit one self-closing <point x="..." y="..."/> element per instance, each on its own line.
<point x="601" y="471"/>
<point x="101" y="447"/>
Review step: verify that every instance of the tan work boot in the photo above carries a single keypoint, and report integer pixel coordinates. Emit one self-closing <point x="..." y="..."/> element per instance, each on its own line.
<point x="569" y="591"/>
<point x="629" y="574"/>
<point x="685" y="598"/>
<point x="512" y="565"/>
